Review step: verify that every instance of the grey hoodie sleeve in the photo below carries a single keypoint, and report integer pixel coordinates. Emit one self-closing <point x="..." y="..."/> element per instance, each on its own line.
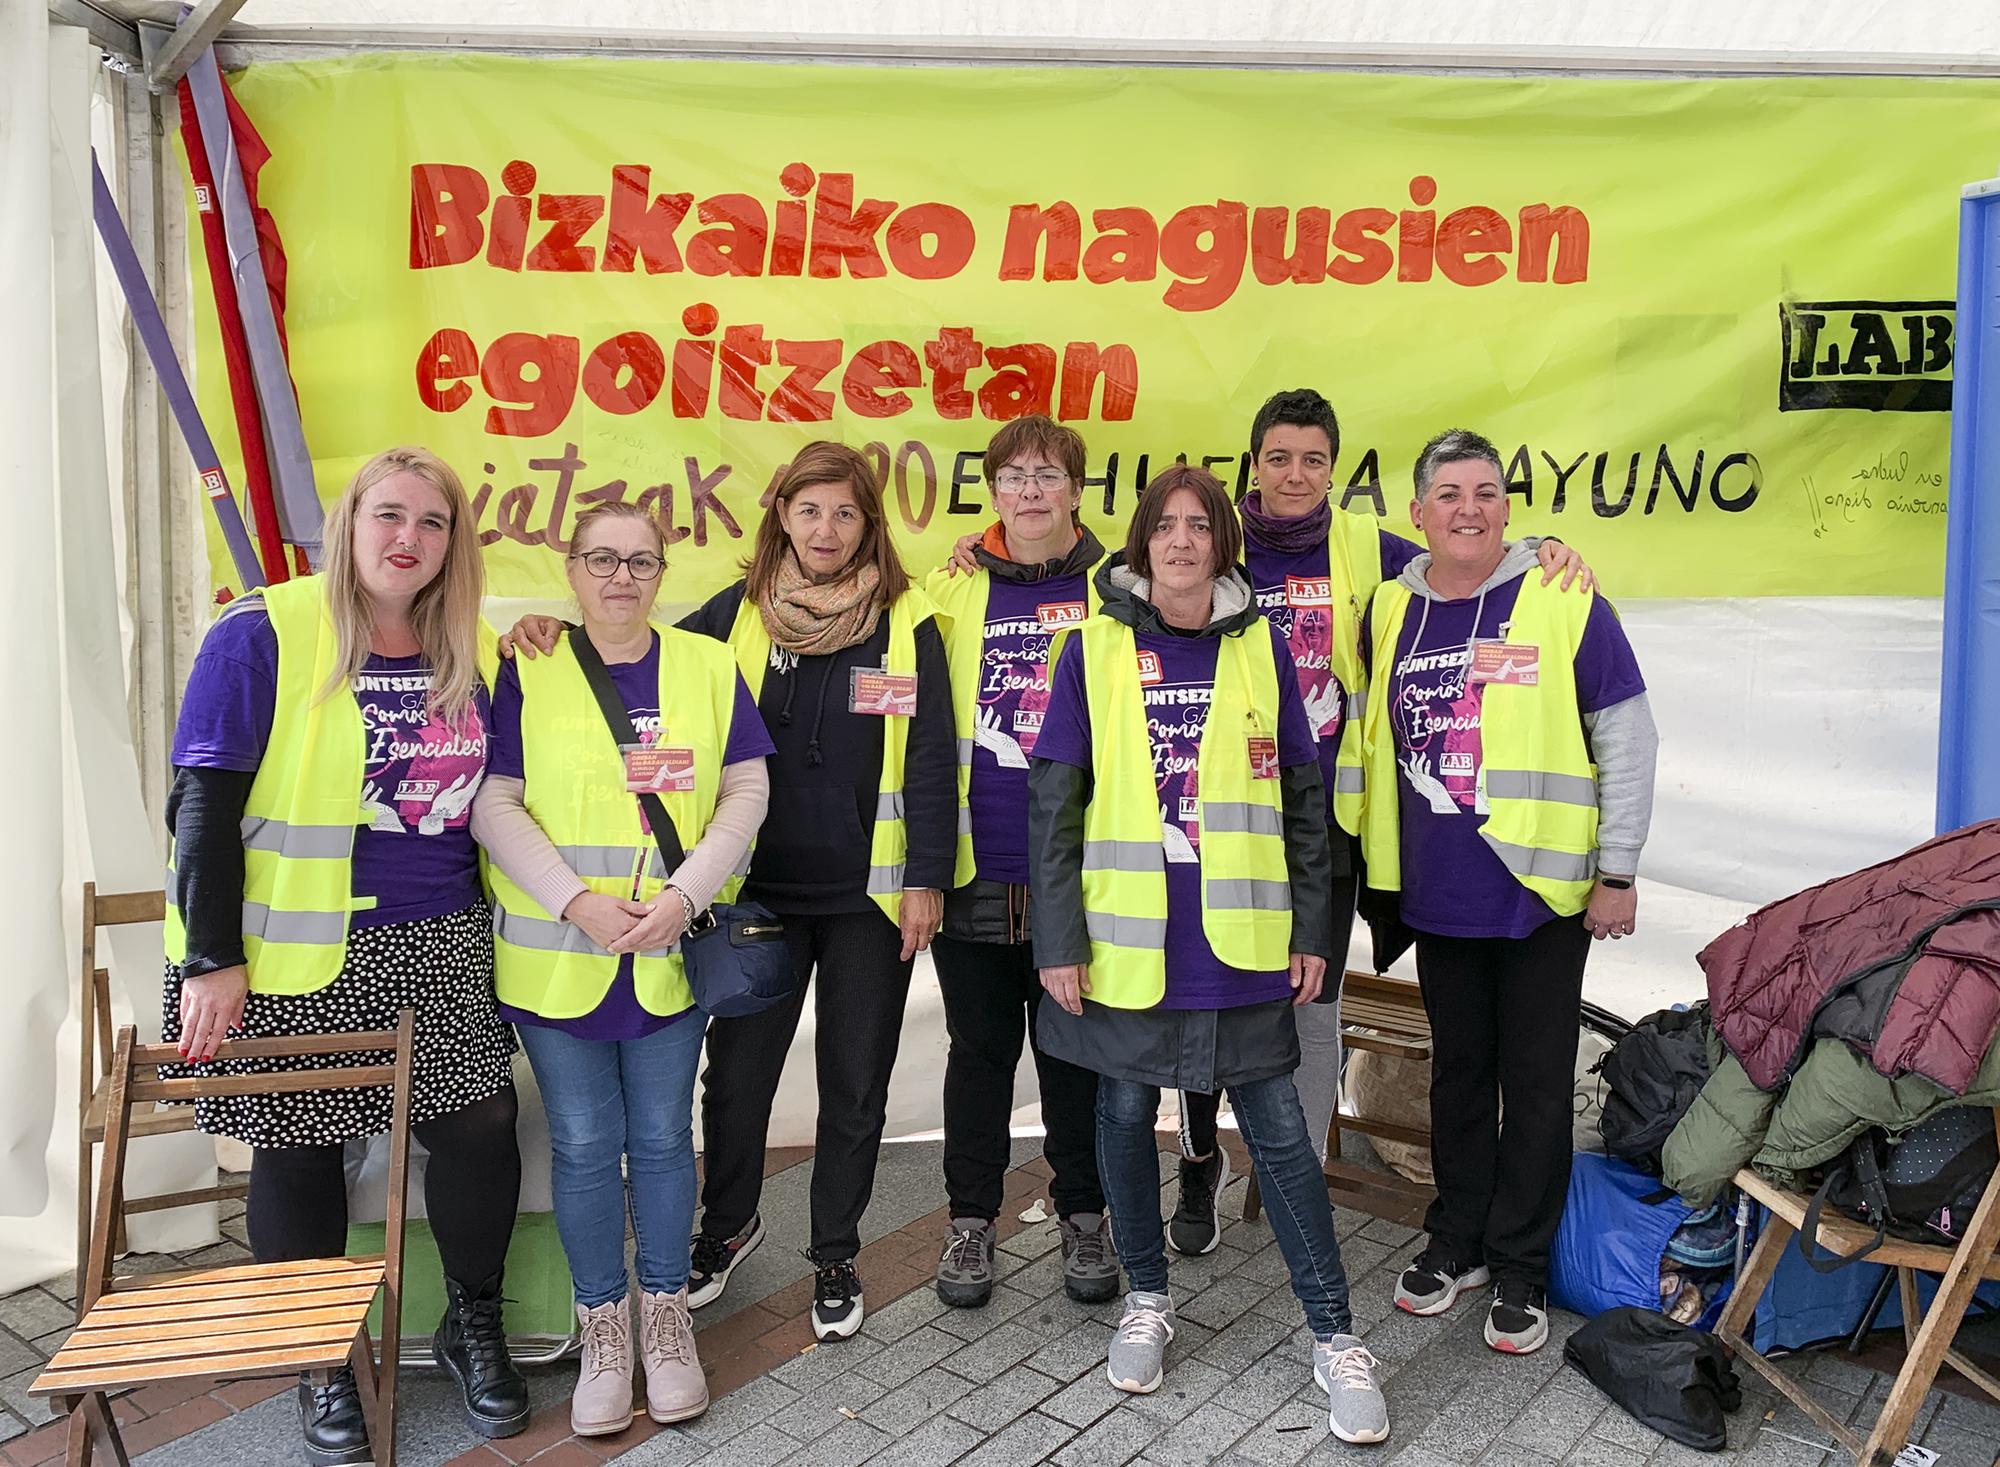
<point x="1626" y="746"/>
<point x="1057" y="794"/>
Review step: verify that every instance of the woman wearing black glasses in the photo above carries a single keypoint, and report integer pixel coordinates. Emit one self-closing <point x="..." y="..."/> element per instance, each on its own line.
<point x="586" y="925"/>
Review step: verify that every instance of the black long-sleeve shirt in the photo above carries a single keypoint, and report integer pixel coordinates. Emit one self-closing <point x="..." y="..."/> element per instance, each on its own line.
<point x="812" y="852"/>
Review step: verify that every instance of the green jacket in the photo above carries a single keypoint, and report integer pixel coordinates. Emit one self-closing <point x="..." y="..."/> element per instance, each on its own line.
<point x="1834" y="1096"/>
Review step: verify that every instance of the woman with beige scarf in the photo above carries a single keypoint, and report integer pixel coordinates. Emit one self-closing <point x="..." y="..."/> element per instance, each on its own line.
<point x="845" y="660"/>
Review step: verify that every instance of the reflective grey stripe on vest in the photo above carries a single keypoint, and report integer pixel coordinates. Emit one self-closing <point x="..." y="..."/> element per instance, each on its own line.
<point x="320" y="842"/>
<point x="885" y="879"/>
<point x="542" y="935"/>
<point x="1357" y="704"/>
<point x="1548" y="865"/>
<point x="1123" y="855"/>
<point x="965" y="751"/>
<point x="1537" y="784"/>
<point x="609" y="861"/>
<point x="1143" y="932"/>
<point x="889" y="806"/>
<point x="1239" y="817"/>
<point x="965" y="820"/>
<point x="321" y="928"/>
<point x="1349" y="779"/>
<point x="1244" y="893"/>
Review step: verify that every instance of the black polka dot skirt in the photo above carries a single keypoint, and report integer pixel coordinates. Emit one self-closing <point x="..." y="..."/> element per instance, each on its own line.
<point x="440" y="966"/>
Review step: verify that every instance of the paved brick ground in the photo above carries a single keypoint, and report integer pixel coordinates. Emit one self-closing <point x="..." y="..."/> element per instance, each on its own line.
<point x="1022" y="1380"/>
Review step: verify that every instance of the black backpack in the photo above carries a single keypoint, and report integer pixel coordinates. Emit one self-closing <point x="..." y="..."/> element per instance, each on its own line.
<point x="1653" y="1075"/>
<point x="1923" y="1188"/>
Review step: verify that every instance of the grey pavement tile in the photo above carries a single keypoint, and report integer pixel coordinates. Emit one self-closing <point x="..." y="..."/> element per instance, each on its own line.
<point x="924" y="1395"/>
<point x="1837" y="1369"/>
<point x="17" y="1355"/>
<point x="1398" y="1336"/>
<point x="1041" y="1278"/>
<point x="1471" y="1424"/>
<point x="1285" y="1436"/>
<point x="818" y="1407"/>
<point x="1028" y="1438"/>
<point x="1372" y="1296"/>
<point x="1268" y="1264"/>
<point x="1032" y="1241"/>
<point x="1957" y="1448"/>
<point x="1594" y="1451"/>
<point x="1770" y="1449"/>
<point x="1511" y="1454"/>
<point x="1360" y="1254"/>
<point x="268" y="1432"/>
<point x="1244" y="1342"/>
<point x="1978" y="1415"/>
<point x="992" y="1353"/>
<point x="1224" y="1301"/>
<point x="32" y="1312"/>
<point x="225" y="1254"/>
<point x="846" y="1444"/>
<point x="1555" y="1421"/>
<point x="1198" y="1438"/>
<point x="760" y="1446"/>
<point x="1072" y="1352"/>
<point x="1266" y="1385"/>
<point x="969" y="1324"/>
<point x="1620" y="1430"/>
<point x="1114" y="1440"/>
<point x="11" y="1426"/>
<point x="14" y="1395"/>
<point x="822" y="1362"/>
<point x="993" y="1405"/>
<point x="750" y="1404"/>
<point x="1395" y="1235"/>
<point x="900" y="1316"/>
<point x="1083" y="1400"/>
<point x="1186" y="1386"/>
<point x="1280" y="1304"/>
<point x="919" y="1351"/>
<point x="936" y="1442"/>
<point x="46" y="1345"/>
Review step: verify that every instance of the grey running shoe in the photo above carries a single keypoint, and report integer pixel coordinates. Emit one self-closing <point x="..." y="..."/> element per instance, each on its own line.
<point x="965" y="1269"/>
<point x="1139" y="1345"/>
<point x="1196" y="1226"/>
<point x="1355" y="1410"/>
<point x="1518" y="1321"/>
<point x="1090" y="1268"/>
<point x="1432" y="1283"/>
<point x="713" y="1259"/>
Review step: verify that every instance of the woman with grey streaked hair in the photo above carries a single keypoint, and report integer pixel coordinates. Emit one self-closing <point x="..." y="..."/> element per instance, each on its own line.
<point x="1508" y="751"/>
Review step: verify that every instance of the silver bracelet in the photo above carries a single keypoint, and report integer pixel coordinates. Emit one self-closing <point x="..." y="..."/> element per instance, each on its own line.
<point x="687" y="909"/>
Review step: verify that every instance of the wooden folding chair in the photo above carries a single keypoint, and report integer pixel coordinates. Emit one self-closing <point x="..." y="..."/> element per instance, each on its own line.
<point x="242" y="1322"/>
<point x="100" y="910"/>
<point x="1927" y="1334"/>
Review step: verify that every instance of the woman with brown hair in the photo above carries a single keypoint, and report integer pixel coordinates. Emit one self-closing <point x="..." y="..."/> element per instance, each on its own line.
<point x="844" y="657"/>
<point x="324" y="878"/>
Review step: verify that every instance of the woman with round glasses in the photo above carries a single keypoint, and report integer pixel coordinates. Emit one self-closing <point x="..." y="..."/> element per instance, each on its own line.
<point x="586" y="925"/>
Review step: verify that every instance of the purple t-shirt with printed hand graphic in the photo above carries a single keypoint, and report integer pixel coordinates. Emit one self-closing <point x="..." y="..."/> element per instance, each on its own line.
<point x="1022" y="619"/>
<point x="1178" y="682"/>
<point x="1453" y="883"/>
<point x="1290" y="590"/>
<point x="414" y="852"/>
<point x="619" y="1015"/>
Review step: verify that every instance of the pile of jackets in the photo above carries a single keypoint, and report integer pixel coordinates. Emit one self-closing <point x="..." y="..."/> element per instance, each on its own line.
<point x="1870" y="1000"/>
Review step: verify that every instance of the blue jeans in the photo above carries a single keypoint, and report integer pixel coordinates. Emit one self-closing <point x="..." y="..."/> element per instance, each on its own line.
<point x="1288" y="1171"/>
<point x="633" y="1099"/>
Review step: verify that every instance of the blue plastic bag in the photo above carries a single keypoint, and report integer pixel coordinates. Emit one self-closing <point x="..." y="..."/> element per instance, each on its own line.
<point x="1608" y="1251"/>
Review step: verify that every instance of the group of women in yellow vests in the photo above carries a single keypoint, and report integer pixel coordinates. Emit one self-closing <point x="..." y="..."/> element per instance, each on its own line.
<point x="1126" y="800"/>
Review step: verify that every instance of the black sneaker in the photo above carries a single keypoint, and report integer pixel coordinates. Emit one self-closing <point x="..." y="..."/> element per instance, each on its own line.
<point x="1518" y="1321"/>
<point x="836" y="1300"/>
<point x="330" y="1417"/>
<point x="1196" y="1226"/>
<point x="1434" y="1281"/>
<point x="713" y="1260"/>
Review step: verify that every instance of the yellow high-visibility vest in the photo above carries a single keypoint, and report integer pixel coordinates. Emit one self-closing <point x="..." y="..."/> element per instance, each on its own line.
<point x="1536" y="772"/>
<point x="891" y="842"/>
<point x="1354" y="563"/>
<point x="961" y="603"/>
<point x="1246" y="907"/>
<point x="573" y="784"/>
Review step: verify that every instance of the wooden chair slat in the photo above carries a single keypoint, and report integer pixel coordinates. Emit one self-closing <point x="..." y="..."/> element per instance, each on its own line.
<point x="154" y="1300"/>
<point x="358" y="1043"/>
<point x="233" y="1305"/>
<point x="167" y="1201"/>
<point x="95" y="1332"/>
<point x="244" y="1365"/>
<point x="123" y="908"/>
<point x="323" y="1268"/>
<point x="189" y="1346"/>
<point x="276" y="1083"/>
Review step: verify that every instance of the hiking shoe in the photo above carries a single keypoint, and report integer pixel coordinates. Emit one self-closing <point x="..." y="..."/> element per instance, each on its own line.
<point x="1518" y="1321"/>
<point x="1196" y="1226"/>
<point x="602" y="1401"/>
<point x="1138" y="1351"/>
<point x="714" y="1259"/>
<point x="836" y="1300"/>
<point x="675" y="1387"/>
<point x="965" y="1269"/>
<point x="1355" y="1410"/>
<point x="1433" y="1282"/>
<point x="1090" y="1268"/>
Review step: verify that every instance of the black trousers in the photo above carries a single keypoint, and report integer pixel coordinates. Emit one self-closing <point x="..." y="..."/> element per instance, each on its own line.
<point x="991" y="991"/>
<point x="297" y="1206"/>
<point x="852" y="963"/>
<point x="1504" y="1014"/>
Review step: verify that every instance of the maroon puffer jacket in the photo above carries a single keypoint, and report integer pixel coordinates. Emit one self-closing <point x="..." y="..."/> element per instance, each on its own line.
<point x="1901" y="960"/>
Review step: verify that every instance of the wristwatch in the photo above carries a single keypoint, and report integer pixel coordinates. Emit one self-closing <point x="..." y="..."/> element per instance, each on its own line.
<point x="1616" y="883"/>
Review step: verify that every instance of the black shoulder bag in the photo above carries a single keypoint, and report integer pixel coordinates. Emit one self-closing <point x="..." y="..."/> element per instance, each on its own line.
<point x="735" y="952"/>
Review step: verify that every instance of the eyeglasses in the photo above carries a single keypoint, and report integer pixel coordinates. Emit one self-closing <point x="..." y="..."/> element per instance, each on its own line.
<point x="1013" y="481"/>
<point x="645" y="566"/>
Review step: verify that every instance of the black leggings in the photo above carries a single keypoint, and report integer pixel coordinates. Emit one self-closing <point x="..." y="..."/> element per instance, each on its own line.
<point x="472" y="1185"/>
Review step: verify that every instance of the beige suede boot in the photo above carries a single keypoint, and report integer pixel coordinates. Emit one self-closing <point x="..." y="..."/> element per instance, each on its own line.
<point x="603" y="1400"/>
<point x="675" y="1387"/>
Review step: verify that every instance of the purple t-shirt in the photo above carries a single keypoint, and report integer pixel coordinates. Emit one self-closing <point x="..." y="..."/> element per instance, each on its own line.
<point x="1453" y="883"/>
<point x="619" y="1015"/>
<point x="1021" y="620"/>
<point x="1176" y="712"/>
<point x="415" y="854"/>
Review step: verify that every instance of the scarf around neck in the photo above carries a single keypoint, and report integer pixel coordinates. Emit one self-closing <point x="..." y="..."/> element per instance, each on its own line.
<point x="1285" y="536"/>
<point x="814" y="619"/>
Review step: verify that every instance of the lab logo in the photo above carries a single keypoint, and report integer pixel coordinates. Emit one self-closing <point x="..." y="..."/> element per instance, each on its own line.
<point x="1308" y="591"/>
<point x="213" y="484"/>
<point x="1149" y="668"/>
<point x="1055" y="615"/>
<point x="1878" y="356"/>
<point x="203" y="199"/>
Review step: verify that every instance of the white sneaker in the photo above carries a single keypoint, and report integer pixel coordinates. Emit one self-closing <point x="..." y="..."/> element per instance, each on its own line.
<point x="1355" y="1410"/>
<point x="1137" y="1357"/>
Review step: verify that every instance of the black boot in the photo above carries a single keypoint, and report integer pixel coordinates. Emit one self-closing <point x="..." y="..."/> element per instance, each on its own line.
<point x="330" y="1416"/>
<point x="471" y="1343"/>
